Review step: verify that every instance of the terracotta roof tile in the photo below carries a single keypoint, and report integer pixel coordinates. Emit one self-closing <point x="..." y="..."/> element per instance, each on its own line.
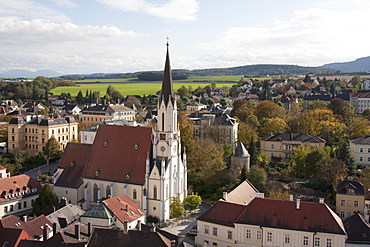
<point x="314" y="217"/>
<point x="18" y="184"/>
<point x="76" y="153"/>
<point x="119" y="154"/>
<point x="243" y="194"/>
<point x="224" y="213"/>
<point x="124" y="208"/>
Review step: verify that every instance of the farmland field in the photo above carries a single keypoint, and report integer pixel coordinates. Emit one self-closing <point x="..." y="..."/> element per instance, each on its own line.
<point x="129" y="88"/>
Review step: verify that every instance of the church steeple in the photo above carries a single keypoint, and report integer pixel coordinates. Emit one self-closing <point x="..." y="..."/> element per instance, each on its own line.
<point x="167" y="89"/>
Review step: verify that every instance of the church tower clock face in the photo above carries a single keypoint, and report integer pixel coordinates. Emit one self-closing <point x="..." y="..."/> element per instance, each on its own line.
<point x="163" y="149"/>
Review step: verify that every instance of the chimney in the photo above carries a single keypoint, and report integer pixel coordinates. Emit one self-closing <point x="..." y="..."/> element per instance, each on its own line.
<point x="89" y="229"/>
<point x="298" y="204"/>
<point x="77" y="231"/>
<point x="63" y="202"/>
<point x="173" y="243"/>
<point x="224" y="196"/>
<point x="54" y="229"/>
<point x="138" y="225"/>
<point x="127" y="207"/>
<point x="25" y="218"/>
<point x="321" y="200"/>
<point x="260" y="195"/>
<point x="45" y="233"/>
<point x="291" y="198"/>
<point x="125" y="227"/>
<point x="152" y="228"/>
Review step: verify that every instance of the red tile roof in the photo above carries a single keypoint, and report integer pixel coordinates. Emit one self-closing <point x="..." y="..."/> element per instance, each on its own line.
<point x="224" y="213"/>
<point x="34" y="228"/>
<point x="73" y="161"/>
<point x="22" y="184"/>
<point x="124" y="208"/>
<point x="119" y="154"/>
<point x="314" y="217"/>
<point x="12" y="236"/>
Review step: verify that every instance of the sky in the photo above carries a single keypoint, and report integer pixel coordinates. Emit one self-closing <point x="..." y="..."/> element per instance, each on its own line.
<point x="119" y="36"/>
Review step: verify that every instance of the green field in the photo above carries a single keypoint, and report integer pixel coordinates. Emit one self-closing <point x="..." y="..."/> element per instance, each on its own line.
<point x="129" y="88"/>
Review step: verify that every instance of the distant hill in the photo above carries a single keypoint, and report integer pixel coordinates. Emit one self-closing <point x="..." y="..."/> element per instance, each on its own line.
<point x="16" y="73"/>
<point x="252" y="70"/>
<point x="359" y="65"/>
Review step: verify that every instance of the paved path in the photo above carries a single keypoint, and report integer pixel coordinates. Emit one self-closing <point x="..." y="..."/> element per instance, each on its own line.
<point x="43" y="169"/>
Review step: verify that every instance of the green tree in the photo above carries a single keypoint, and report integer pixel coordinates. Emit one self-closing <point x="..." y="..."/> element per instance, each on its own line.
<point x="176" y="208"/>
<point x="191" y="202"/>
<point x="258" y="177"/>
<point x="272" y="126"/>
<point x="359" y="127"/>
<point x="298" y="160"/>
<point x="343" y="153"/>
<point x="356" y="81"/>
<point x="269" y="109"/>
<point x="223" y="101"/>
<point x="341" y="108"/>
<point x="187" y="131"/>
<point x="47" y="198"/>
<point x="253" y="152"/>
<point x="331" y="170"/>
<point x="316" y="104"/>
<point x="52" y="149"/>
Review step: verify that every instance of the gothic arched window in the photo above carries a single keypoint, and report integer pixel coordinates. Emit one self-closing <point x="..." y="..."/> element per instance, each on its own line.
<point x="155" y="192"/>
<point x="95" y="193"/>
<point x="108" y="191"/>
<point x="134" y="195"/>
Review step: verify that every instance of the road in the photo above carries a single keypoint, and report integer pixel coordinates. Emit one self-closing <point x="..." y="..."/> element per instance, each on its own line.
<point x="43" y="169"/>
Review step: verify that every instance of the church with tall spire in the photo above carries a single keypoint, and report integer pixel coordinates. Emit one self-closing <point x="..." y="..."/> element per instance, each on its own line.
<point x="146" y="164"/>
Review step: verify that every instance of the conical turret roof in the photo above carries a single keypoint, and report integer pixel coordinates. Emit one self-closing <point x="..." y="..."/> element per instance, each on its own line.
<point x="241" y="151"/>
<point x="167" y="88"/>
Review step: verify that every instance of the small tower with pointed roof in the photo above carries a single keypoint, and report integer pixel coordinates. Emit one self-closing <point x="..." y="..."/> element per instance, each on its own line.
<point x="239" y="159"/>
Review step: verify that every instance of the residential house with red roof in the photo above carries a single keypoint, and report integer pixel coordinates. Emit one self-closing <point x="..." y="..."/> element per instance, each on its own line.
<point x="116" y="212"/>
<point x="17" y="194"/>
<point x="267" y="222"/>
<point x="95" y="114"/>
<point x="146" y="164"/>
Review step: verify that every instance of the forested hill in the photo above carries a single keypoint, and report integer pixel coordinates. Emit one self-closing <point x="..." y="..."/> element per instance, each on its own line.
<point x="253" y="70"/>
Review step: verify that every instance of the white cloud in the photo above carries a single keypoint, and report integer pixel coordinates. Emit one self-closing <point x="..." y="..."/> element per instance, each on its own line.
<point x="66" y="3"/>
<point x="28" y="10"/>
<point x="180" y="10"/>
<point x="312" y="37"/>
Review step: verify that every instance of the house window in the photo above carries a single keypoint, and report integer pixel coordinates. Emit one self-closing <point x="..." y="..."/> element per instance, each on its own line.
<point x="196" y="131"/>
<point x="328" y="242"/>
<point x="341" y="214"/>
<point x="13" y="130"/>
<point x="317" y="242"/>
<point x="24" y="204"/>
<point x="368" y="158"/>
<point x="305" y="241"/>
<point x="214" y="244"/>
<point x="355" y="203"/>
<point x="134" y="195"/>
<point x="269" y="236"/>
<point x="287" y="239"/>
<point x="248" y="234"/>
<point x="5" y="209"/>
<point x="214" y="231"/>
<point x="229" y="235"/>
<point x="43" y="132"/>
<point x="19" y="205"/>
<point x="108" y="191"/>
<point x="206" y="243"/>
<point x="349" y="214"/>
<point x="13" y="138"/>
<point x="361" y="158"/>
<point x="11" y="208"/>
<point x="206" y="229"/>
<point x="343" y="202"/>
<point x="361" y="150"/>
<point x="259" y="234"/>
<point x="272" y="146"/>
<point x="155" y="192"/>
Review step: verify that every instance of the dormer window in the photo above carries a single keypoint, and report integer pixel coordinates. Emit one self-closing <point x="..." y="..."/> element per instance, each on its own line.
<point x="350" y="191"/>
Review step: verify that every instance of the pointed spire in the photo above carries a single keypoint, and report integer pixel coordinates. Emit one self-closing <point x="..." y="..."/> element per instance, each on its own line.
<point x="167" y="89"/>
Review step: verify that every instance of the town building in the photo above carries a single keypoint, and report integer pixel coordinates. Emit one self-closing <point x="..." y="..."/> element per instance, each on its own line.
<point x="56" y="100"/>
<point x="267" y="222"/>
<point x="17" y="194"/>
<point x="360" y="101"/>
<point x="216" y="124"/>
<point x="360" y="150"/>
<point x="32" y="135"/>
<point x="95" y="114"/>
<point x="350" y="198"/>
<point x="72" y="109"/>
<point x="118" y="212"/>
<point x="146" y="164"/>
<point x="281" y="145"/>
<point x="358" y="231"/>
<point x="195" y="107"/>
<point x="88" y="134"/>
